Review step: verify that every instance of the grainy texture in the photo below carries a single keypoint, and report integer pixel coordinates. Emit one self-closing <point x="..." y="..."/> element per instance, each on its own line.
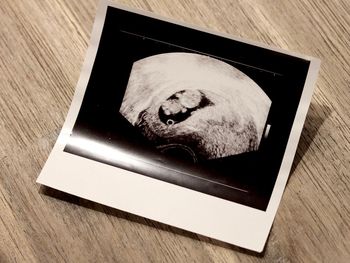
<point x="42" y="46"/>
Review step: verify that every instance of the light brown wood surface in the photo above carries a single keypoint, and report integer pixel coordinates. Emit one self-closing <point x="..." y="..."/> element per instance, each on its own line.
<point x="42" y="47"/>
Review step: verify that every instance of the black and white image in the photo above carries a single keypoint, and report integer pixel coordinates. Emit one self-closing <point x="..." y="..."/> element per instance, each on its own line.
<point x="189" y="108"/>
<point x="183" y="125"/>
<point x="194" y="106"/>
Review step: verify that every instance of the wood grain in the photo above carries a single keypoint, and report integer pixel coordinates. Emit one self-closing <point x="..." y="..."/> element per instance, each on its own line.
<point x="42" y="47"/>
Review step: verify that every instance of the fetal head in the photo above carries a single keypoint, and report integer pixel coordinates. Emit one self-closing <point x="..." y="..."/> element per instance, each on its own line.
<point x="181" y="105"/>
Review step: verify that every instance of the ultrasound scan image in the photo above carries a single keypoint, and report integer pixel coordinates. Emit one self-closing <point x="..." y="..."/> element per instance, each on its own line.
<point x="195" y="107"/>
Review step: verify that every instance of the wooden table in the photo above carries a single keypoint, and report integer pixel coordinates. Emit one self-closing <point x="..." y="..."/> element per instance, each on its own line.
<point x="42" y="47"/>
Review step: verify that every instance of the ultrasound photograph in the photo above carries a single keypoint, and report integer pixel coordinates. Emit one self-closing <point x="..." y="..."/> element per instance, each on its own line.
<point x="187" y="107"/>
<point x="195" y="107"/>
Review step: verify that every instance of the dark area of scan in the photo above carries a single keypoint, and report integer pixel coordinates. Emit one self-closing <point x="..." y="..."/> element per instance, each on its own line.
<point x="181" y="105"/>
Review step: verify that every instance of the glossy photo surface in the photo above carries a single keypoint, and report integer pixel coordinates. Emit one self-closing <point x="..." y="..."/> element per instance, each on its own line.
<point x="189" y="108"/>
